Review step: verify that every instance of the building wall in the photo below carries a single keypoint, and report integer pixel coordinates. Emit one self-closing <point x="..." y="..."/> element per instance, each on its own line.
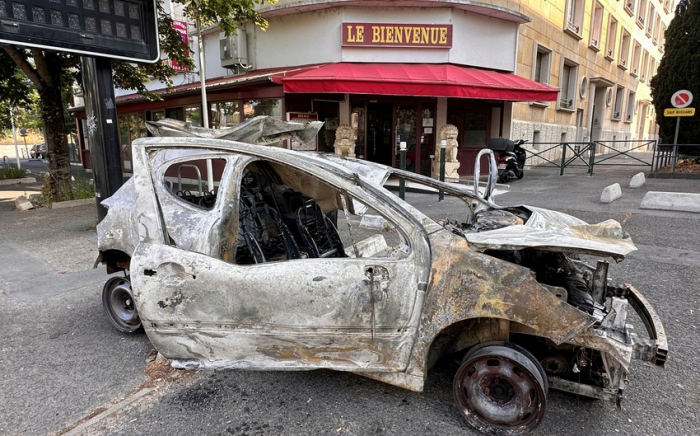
<point x="315" y="37"/>
<point x="551" y="122"/>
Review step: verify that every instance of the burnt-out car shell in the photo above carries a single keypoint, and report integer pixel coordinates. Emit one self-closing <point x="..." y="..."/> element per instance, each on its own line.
<point x="259" y="277"/>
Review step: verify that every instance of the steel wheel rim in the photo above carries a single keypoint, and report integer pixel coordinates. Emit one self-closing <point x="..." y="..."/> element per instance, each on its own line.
<point x="119" y="304"/>
<point x="500" y="391"/>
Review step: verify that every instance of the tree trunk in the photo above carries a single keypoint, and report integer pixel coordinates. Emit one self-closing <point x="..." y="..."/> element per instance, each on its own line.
<point x="55" y="128"/>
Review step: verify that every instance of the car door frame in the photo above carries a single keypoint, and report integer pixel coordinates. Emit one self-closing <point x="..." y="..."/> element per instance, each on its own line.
<point x="384" y="348"/>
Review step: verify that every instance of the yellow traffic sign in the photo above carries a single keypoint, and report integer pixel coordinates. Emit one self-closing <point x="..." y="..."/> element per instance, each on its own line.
<point x="679" y="112"/>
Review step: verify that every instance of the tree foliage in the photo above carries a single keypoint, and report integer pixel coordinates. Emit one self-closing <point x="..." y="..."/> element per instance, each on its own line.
<point x="679" y="69"/>
<point x="16" y="91"/>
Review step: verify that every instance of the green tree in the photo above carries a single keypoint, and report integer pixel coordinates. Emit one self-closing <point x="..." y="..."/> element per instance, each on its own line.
<point x="51" y="71"/>
<point x="15" y="90"/>
<point x="679" y="69"/>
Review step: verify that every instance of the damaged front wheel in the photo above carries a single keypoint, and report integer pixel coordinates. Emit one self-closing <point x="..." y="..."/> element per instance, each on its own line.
<point x="501" y="390"/>
<point x="118" y="304"/>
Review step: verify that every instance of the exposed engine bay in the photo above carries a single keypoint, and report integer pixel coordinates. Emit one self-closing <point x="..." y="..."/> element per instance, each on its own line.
<point x="571" y="368"/>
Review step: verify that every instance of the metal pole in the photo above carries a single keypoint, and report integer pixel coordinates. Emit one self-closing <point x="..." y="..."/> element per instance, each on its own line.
<point x="675" y="146"/>
<point x="205" y="104"/>
<point x="591" y="158"/>
<point x="102" y="130"/>
<point x="14" y="135"/>
<point x="402" y="165"/>
<point x="443" y="147"/>
<point x="563" y="160"/>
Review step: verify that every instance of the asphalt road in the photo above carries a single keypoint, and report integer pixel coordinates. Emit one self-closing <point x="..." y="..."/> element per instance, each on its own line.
<point x="65" y="371"/>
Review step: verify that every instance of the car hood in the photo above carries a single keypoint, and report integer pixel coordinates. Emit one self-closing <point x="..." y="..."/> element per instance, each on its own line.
<point x="555" y="231"/>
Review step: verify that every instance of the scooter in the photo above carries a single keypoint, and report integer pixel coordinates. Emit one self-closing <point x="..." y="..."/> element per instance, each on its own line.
<point x="511" y="158"/>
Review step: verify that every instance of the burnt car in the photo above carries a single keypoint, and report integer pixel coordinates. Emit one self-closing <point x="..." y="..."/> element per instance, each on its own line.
<point x="300" y="261"/>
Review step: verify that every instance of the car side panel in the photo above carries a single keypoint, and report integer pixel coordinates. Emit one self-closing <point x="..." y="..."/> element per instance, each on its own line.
<point x="306" y="313"/>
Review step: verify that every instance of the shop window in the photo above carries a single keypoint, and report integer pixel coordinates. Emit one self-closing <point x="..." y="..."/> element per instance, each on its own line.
<point x="568" y="80"/>
<point x="230" y="113"/>
<point x="574" y="17"/>
<point x="651" y="21"/>
<point x="641" y="13"/>
<point x="131" y="126"/>
<point x="596" y="25"/>
<point x="629" y="6"/>
<point x="611" y="38"/>
<point x="157" y="115"/>
<point x="472" y="121"/>
<point x="636" y="56"/>
<point x="630" y="106"/>
<point x="542" y="64"/>
<point x="193" y="115"/>
<point x="624" y="49"/>
<point x="644" y="67"/>
<point x="617" y="104"/>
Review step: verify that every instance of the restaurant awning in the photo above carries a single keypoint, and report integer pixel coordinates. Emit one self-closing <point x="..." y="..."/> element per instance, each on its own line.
<point x="435" y="80"/>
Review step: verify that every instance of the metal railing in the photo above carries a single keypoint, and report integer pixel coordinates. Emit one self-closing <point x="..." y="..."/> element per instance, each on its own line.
<point x="669" y="154"/>
<point x="589" y="154"/>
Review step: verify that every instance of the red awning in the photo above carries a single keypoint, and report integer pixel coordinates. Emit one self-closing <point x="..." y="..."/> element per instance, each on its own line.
<point x="435" y="80"/>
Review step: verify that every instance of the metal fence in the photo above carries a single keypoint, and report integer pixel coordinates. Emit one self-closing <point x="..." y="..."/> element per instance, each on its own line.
<point x="589" y="154"/>
<point x="667" y="155"/>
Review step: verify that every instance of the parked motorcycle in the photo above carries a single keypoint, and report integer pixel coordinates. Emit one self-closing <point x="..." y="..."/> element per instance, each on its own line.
<point x="510" y="158"/>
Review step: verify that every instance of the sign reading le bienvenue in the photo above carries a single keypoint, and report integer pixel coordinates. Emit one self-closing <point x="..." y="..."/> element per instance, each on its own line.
<point x="397" y="35"/>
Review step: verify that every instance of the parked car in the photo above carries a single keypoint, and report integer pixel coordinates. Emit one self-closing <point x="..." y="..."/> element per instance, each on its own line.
<point x="302" y="260"/>
<point x="38" y="151"/>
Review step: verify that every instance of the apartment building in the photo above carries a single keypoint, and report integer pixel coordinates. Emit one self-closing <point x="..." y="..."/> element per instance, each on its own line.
<point x="601" y="54"/>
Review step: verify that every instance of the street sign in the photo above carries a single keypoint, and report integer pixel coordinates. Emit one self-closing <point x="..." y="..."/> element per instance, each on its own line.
<point x="679" y="112"/>
<point x="115" y="29"/>
<point x="681" y="99"/>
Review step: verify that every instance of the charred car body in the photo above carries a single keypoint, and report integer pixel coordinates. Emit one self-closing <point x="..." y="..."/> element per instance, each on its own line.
<point x="305" y="261"/>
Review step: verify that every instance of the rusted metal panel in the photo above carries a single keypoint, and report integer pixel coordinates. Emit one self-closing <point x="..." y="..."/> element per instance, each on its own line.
<point x="311" y="313"/>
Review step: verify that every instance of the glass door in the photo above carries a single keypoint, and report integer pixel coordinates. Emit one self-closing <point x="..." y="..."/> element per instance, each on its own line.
<point x="406" y="126"/>
<point x="415" y="124"/>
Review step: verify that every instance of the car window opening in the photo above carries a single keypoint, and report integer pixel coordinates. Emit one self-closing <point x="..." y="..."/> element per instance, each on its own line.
<point x="285" y="214"/>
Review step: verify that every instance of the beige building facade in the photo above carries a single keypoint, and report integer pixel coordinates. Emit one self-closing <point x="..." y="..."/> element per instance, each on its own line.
<point x="601" y="54"/>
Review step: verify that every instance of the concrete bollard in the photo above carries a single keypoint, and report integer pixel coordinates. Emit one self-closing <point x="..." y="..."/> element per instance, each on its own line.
<point x="611" y="193"/>
<point x="637" y="181"/>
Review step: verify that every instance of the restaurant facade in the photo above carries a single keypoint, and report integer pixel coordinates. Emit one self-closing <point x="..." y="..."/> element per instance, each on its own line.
<point x="393" y="73"/>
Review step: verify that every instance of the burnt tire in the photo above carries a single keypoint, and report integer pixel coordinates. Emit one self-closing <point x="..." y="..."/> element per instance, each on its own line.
<point x="118" y="304"/>
<point x="501" y="389"/>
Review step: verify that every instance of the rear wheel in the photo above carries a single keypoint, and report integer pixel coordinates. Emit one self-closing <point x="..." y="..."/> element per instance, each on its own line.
<point x="118" y="304"/>
<point x="501" y="389"/>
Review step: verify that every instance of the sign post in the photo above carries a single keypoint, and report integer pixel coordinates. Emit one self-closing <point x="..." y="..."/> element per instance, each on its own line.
<point x="102" y="129"/>
<point x="679" y="100"/>
<point x="98" y="30"/>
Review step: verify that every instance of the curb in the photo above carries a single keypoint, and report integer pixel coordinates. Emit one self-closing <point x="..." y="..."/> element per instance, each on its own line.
<point x="17" y="181"/>
<point x="674" y="176"/>
<point x="71" y="203"/>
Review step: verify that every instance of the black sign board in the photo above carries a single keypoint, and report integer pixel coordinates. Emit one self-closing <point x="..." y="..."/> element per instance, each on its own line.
<point x="116" y="29"/>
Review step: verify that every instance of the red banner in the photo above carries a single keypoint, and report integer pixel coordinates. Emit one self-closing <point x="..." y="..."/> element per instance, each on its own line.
<point x="181" y="28"/>
<point x="397" y="35"/>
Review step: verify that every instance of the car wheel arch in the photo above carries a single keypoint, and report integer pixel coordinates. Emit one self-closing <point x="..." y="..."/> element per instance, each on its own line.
<point x="115" y="260"/>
